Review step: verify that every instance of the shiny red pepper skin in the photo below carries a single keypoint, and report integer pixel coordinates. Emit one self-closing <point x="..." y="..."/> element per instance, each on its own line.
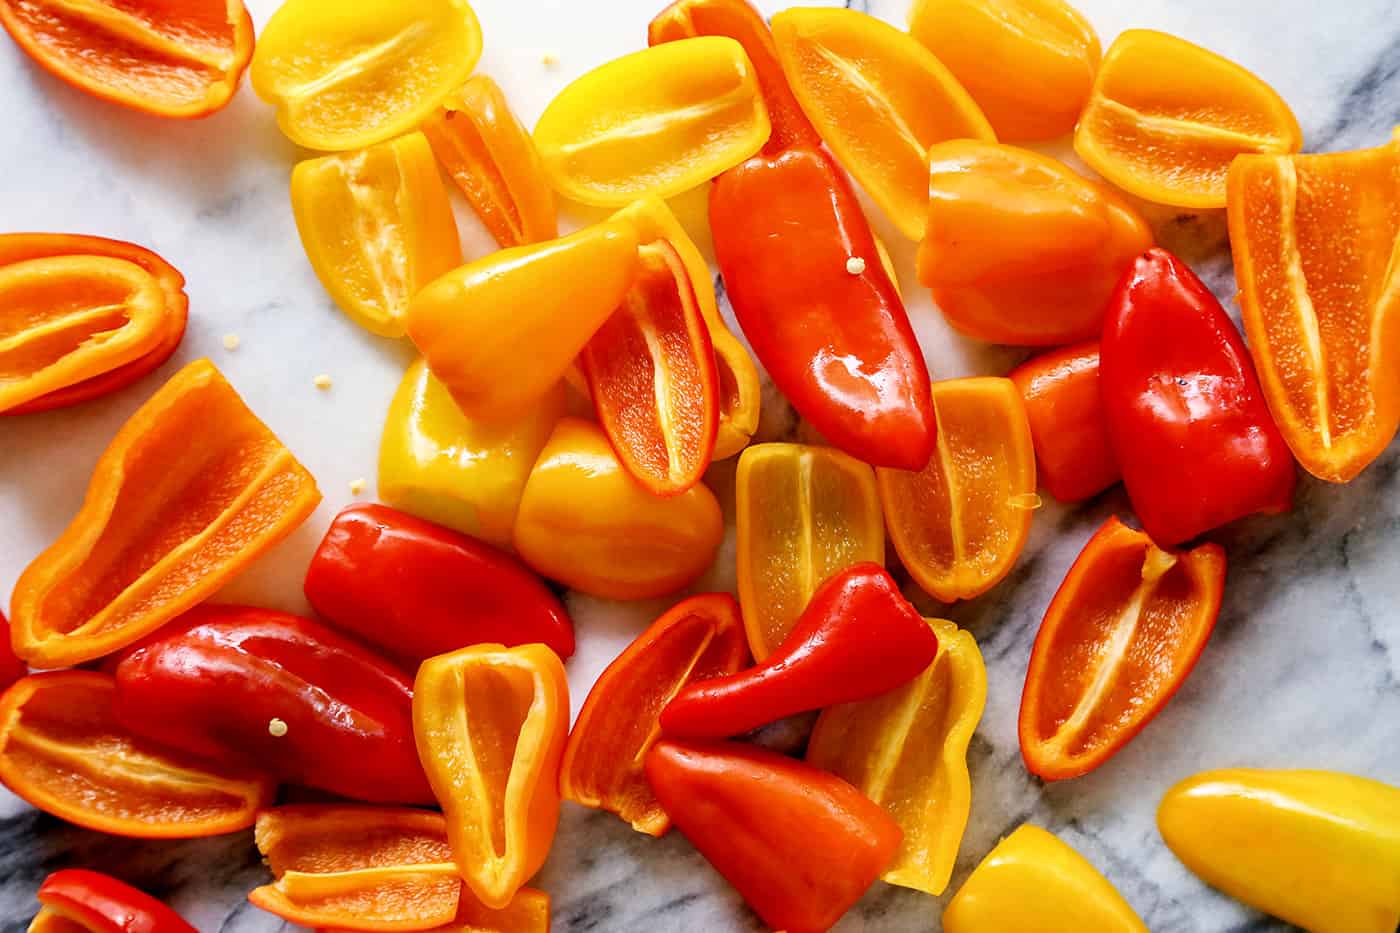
<point x="103" y="904"/>
<point x="857" y="638"/>
<point x="11" y="667"/>
<point x="838" y="345"/>
<point x="415" y="589"/>
<point x="212" y="681"/>
<point x="1190" y="429"/>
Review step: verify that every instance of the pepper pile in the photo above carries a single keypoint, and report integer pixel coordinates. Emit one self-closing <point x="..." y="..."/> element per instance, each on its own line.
<point x="434" y="676"/>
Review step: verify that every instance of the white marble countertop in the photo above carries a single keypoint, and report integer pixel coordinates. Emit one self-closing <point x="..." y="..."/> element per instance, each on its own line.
<point x="1301" y="672"/>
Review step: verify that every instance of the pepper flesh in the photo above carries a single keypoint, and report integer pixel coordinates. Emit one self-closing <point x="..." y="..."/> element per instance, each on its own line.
<point x="960" y="523"/>
<point x="798" y="844"/>
<point x="99" y="903"/>
<point x="166" y="522"/>
<point x="62" y="750"/>
<point x="697" y="639"/>
<point x="528" y="912"/>
<point x="491" y="723"/>
<point x="1185" y="413"/>
<point x="11" y="667"/>
<point x="1064" y="406"/>
<point x="1318" y="849"/>
<point x="83" y="316"/>
<point x="907" y="751"/>
<point x="802" y="514"/>
<point x="1118" y="640"/>
<point x="1316" y="241"/>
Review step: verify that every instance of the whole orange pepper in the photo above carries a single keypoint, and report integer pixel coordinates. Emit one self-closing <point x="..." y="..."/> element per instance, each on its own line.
<point x="1074" y="458"/>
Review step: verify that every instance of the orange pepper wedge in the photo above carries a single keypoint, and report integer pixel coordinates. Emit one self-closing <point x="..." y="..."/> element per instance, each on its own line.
<point x="492" y="159"/>
<point x="190" y="491"/>
<point x="698" y="638"/>
<point x="491" y="723"/>
<point x="82" y="316"/>
<point x="960" y="523"/>
<point x="1166" y="117"/>
<point x="528" y="912"/>
<point x="168" y="59"/>
<point x="1316" y="241"/>
<point x="62" y="750"/>
<point x="47" y="920"/>
<point x="1120" y="637"/>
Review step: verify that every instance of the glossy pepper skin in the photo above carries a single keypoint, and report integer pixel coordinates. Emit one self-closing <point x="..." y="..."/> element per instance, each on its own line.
<point x="100" y="903"/>
<point x="414" y="589"/>
<point x="214" y="680"/>
<point x="838" y="345"/>
<point x="1187" y="419"/>
<point x="1318" y="849"/>
<point x="857" y="639"/>
<point x="1064" y="405"/>
<point x="800" y="845"/>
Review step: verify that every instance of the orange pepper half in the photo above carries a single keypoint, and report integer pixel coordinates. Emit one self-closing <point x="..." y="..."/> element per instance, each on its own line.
<point x="528" y="912"/>
<point x="168" y="59"/>
<point x="699" y="638"/>
<point x="1119" y="638"/>
<point x="1166" y="118"/>
<point x="491" y="723"/>
<point x="1316" y="240"/>
<point x="1074" y="458"/>
<point x="960" y="523"/>
<point x="189" y="492"/>
<point x="62" y="750"/>
<point x="82" y="316"/>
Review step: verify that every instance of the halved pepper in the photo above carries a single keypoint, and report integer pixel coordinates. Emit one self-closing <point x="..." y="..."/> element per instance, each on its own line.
<point x="527" y="912"/>
<point x="82" y="316"/>
<point x="961" y="522"/>
<point x="168" y="59"/>
<point x="492" y="159"/>
<point x="491" y="723"/>
<point x="63" y="751"/>
<point x="802" y="514"/>
<point x="907" y="751"/>
<point x="11" y="667"/>
<point x="698" y="638"/>
<point x="189" y="492"/>
<point x="1064" y="405"/>
<point x="76" y="899"/>
<point x="1118" y="640"/>
<point x="1316" y="240"/>
<point x="377" y="226"/>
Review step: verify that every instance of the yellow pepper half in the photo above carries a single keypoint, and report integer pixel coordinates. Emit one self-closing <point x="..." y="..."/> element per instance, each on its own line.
<point x="658" y="121"/>
<point x="377" y="226"/>
<point x="464" y="473"/>
<point x="1316" y="848"/>
<point x="1034" y="883"/>
<point x="907" y="751"/>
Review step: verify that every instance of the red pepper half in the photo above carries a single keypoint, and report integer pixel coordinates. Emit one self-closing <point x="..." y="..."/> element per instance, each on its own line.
<point x="101" y="904"/>
<point x="1065" y="409"/>
<point x="798" y="843"/>
<point x="416" y="589"/>
<point x="1189" y="425"/>
<point x="11" y="667"/>
<point x="857" y="638"/>
<point x="279" y="692"/>
<point x="837" y="343"/>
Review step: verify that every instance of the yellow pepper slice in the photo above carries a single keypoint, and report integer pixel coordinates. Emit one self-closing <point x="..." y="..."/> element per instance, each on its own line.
<point x="658" y="122"/>
<point x="377" y="226"/>
<point x="1316" y="848"/>
<point x="465" y="473"/>
<point x="802" y="514"/>
<point x="1034" y="883"/>
<point x="348" y="75"/>
<point x="907" y="751"/>
<point x="879" y="99"/>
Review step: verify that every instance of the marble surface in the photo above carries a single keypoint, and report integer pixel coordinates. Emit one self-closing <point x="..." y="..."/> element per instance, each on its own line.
<point x="1302" y="670"/>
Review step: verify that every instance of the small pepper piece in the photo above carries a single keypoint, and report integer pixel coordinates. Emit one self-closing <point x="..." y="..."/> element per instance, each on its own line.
<point x="857" y="638"/>
<point x="698" y="638"/>
<point x="960" y="523"/>
<point x="96" y="903"/>
<point x="1318" y="849"/>
<point x="800" y="845"/>
<point x="1064" y="405"/>
<point x="189" y="492"/>
<point x="907" y="751"/>
<point x="528" y="912"/>
<point x="63" y="750"/>
<point x="1185" y="414"/>
<point x="491" y="723"/>
<point x="11" y="667"/>
<point x="1118" y="640"/>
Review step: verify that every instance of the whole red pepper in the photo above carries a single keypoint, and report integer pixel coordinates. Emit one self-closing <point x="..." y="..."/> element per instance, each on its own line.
<point x="11" y="667"/>
<point x="279" y="692"/>
<point x="415" y="589"/>
<point x="102" y="904"/>
<point x="1190" y="429"/>
<point x="834" y="338"/>
<point x="857" y="638"/>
